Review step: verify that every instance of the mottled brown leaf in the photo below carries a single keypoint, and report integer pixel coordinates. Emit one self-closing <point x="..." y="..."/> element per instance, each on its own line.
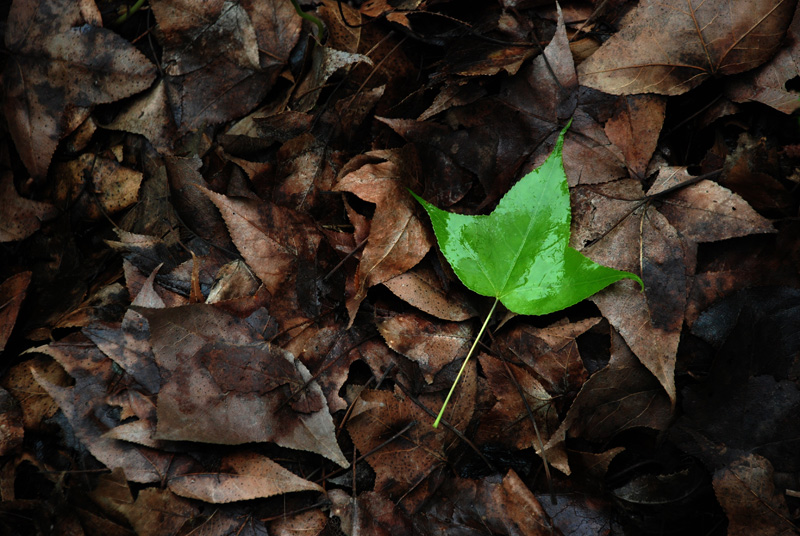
<point x="423" y="289"/>
<point x="222" y="383"/>
<point x="634" y="129"/>
<point x="746" y="491"/>
<point x="672" y="46"/>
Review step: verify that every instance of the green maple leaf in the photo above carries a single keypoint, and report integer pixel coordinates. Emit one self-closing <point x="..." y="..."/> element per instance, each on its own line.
<point x="519" y="254"/>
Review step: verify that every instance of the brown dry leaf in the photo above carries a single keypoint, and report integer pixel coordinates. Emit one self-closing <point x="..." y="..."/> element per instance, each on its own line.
<point x="303" y="171"/>
<point x="634" y="129"/>
<point x="430" y="344"/>
<point x="11" y="424"/>
<point x="96" y="186"/>
<point x="222" y="58"/>
<point x="21" y="217"/>
<point x="767" y="84"/>
<point x="222" y="383"/>
<point x="128" y="345"/>
<point x="398" y="240"/>
<point x="656" y="236"/>
<point x="310" y="523"/>
<point x="149" y="114"/>
<point x="55" y="75"/>
<point x="240" y="477"/>
<point x="672" y="46"/>
<point x="746" y="490"/>
<point x="37" y="406"/>
<point x="423" y="289"/>
<point x="12" y="292"/>
<point x="706" y="211"/>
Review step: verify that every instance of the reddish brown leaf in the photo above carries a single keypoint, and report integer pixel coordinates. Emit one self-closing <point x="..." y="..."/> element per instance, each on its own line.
<point x="767" y="84"/>
<point x="241" y="477"/>
<point x="412" y="461"/>
<point x="634" y="129"/>
<point x="669" y="47"/>
<point x="502" y="505"/>
<point x="551" y="352"/>
<point x="398" y="240"/>
<point x="11" y="430"/>
<point x="508" y="422"/>
<point x="55" y="74"/>
<point x="707" y="211"/>
<point x="21" y="217"/>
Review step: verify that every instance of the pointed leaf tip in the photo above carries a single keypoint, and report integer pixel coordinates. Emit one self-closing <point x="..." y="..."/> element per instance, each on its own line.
<point x="519" y="253"/>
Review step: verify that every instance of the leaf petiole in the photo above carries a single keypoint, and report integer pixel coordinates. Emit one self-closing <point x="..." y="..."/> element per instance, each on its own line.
<point x="464" y="365"/>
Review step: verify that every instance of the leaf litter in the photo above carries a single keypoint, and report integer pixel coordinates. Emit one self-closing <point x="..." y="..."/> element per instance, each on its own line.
<point x="224" y="313"/>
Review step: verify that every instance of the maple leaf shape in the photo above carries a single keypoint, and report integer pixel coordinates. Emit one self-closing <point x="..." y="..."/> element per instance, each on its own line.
<point x="518" y="254"/>
<point x="62" y="64"/>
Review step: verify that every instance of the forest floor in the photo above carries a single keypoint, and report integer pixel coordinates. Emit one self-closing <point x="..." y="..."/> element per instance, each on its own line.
<point x="223" y="312"/>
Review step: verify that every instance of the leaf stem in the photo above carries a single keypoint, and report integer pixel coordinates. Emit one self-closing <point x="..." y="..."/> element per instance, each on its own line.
<point x="464" y="365"/>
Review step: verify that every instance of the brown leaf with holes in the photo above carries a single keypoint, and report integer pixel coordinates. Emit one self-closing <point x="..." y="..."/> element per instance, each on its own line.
<point x="671" y="46"/>
<point x="55" y="74"/>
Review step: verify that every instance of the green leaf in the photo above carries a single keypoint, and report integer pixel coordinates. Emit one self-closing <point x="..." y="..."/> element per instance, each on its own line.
<point x="519" y="253"/>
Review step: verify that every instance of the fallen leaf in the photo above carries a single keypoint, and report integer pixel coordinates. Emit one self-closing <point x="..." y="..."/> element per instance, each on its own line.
<point x="222" y="383"/>
<point x="397" y="238"/>
<point x="634" y="129"/>
<point x="222" y="58"/>
<point x="747" y="493"/>
<point x="430" y="344"/>
<point x="158" y="511"/>
<point x="241" y="477"/>
<point x="519" y="254"/>
<point x="55" y="76"/>
<point x="669" y="47"/>
<point x="423" y="289"/>
<point x="767" y="84"/>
